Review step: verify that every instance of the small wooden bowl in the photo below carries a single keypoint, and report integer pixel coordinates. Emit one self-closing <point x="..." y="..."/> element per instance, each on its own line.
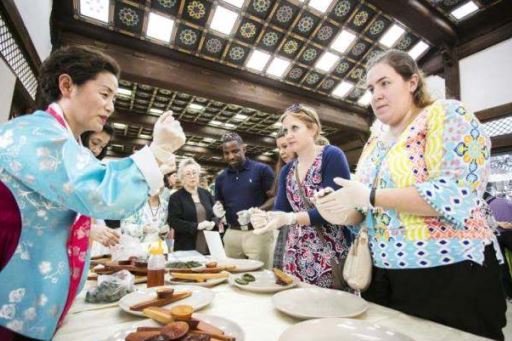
<point x="182" y="312"/>
<point x="164" y="292"/>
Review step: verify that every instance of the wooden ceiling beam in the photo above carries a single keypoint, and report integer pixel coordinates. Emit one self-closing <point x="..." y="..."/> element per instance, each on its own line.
<point x="184" y="77"/>
<point x="201" y="130"/>
<point x="502" y="143"/>
<point x="210" y="152"/>
<point x="494" y="113"/>
<point x="422" y="18"/>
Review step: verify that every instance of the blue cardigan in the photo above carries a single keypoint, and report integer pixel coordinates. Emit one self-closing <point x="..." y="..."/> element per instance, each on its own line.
<point x="334" y="165"/>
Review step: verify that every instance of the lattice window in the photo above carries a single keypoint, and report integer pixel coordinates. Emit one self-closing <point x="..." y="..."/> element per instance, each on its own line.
<point x="16" y="60"/>
<point x="499" y="127"/>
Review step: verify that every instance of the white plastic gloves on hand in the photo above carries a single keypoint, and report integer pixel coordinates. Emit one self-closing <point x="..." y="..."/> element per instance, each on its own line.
<point x="104" y="235"/>
<point x="218" y="210"/>
<point x="352" y="194"/>
<point x="206" y="225"/>
<point x="148" y="229"/>
<point x="168" y="136"/>
<point x="244" y="217"/>
<point x="274" y="221"/>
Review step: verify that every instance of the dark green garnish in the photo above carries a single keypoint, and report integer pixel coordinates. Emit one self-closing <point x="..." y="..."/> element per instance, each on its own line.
<point x="241" y="281"/>
<point x="248" y="278"/>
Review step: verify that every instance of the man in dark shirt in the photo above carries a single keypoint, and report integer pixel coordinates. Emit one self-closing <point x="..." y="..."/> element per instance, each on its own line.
<point x="243" y="185"/>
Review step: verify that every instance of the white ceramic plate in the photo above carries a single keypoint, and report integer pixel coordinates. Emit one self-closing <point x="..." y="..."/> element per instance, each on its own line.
<point x="308" y="303"/>
<point x="265" y="282"/>
<point x="242" y="265"/>
<point x="229" y="327"/>
<point x="335" y="329"/>
<point x="199" y="299"/>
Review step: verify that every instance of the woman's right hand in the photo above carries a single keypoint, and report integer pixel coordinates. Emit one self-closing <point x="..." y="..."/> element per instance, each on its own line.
<point x="104" y="235"/>
<point x="168" y="136"/>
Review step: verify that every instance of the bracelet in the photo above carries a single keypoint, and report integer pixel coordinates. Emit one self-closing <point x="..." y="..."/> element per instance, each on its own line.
<point x="372" y="197"/>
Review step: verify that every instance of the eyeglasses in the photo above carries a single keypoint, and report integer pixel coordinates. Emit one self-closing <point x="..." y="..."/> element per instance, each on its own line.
<point x="190" y="174"/>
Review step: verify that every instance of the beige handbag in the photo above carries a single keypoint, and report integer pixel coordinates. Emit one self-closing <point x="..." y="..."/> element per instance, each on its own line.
<point x="357" y="271"/>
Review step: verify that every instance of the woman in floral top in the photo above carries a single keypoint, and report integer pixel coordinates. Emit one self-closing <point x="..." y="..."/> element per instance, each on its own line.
<point x="419" y="185"/>
<point x="312" y="242"/>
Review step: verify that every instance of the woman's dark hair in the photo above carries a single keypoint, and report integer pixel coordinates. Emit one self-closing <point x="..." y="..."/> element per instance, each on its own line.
<point x="81" y="63"/>
<point x="279" y="165"/>
<point x="405" y="66"/>
<point x="87" y="135"/>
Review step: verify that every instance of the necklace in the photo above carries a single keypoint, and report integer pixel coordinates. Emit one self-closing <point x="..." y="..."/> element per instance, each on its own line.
<point x="154" y="211"/>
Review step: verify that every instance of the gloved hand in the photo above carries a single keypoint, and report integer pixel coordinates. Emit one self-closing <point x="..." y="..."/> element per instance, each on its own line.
<point x="259" y="219"/>
<point x="169" y="166"/>
<point x="218" y="210"/>
<point x="148" y="229"/>
<point x="352" y="194"/>
<point x="276" y="220"/>
<point x="164" y="229"/>
<point x="168" y="136"/>
<point x="337" y="217"/>
<point x="244" y="217"/>
<point x="104" y="235"/>
<point x="206" y="225"/>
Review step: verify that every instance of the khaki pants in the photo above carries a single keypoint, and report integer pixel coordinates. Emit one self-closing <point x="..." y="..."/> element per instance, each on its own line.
<point x="246" y="244"/>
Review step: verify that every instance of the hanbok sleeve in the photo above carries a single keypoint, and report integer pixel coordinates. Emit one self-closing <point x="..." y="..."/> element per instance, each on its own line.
<point x="456" y="154"/>
<point x="47" y="159"/>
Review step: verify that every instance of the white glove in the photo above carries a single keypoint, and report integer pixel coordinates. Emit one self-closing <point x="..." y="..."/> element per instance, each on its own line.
<point x="218" y="210"/>
<point x="104" y="235"/>
<point x="132" y="230"/>
<point x="276" y="220"/>
<point x="169" y="165"/>
<point x="352" y="194"/>
<point x="148" y="229"/>
<point x="206" y="225"/>
<point x="164" y="229"/>
<point x="244" y="217"/>
<point x="259" y="219"/>
<point x="168" y="136"/>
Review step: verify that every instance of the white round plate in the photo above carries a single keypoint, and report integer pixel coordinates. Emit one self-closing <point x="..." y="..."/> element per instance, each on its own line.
<point x="265" y="282"/>
<point x="199" y="299"/>
<point x="242" y="265"/>
<point x="308" y="303"/>
<point x="335" y="329"/>
<point x="229" y="327"/>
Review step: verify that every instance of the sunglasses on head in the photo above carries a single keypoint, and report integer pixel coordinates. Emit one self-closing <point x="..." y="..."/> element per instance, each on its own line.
<point x="295" y="108"/>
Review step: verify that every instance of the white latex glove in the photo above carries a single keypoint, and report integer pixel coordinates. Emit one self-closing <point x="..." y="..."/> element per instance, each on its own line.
<point x="206" y="225"/>
<point x="169" y="165"/>
<point x="276" y="220"/>
<point x="104" y="235"/>
<point x="244" y="217"/>
<point x="352" y="194"/>
<point x="164" y="229"/>
<point x="218" y="210"/>
<point x="259" y="219"/>
<point x="148" y="229"/>
<point x="168" y="136"/>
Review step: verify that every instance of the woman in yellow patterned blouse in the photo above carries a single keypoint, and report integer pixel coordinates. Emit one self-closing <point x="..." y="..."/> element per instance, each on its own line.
<point x="418" y="189"/>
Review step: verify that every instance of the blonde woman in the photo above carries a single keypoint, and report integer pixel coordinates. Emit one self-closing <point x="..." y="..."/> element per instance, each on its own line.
<point x="312" y="243"/>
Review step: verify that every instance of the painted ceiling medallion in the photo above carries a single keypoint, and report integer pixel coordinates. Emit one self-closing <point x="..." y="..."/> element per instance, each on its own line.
<point x="284" y="14"/>
<point x="167" y="3"/>
<point x="325" y="33"/>
<point x="377" y="27"/>
<point x="342" y="8"/>
<point x="261" y="6"/>
<point x="296" y="73"/>
<point x="309" y="54"/>
<point x="196" y="10"/>
<point x="213" y="45"/>
<point x="236" y="53"/>
<point x="248" y="30"/>
<point x="270" y="39"/>
<point x="128" y="16"/>
<point x="361" y="18"/>
<point x="290" y="46"/>
<point x="305" y="24"/>
<point x="188" y="37"/>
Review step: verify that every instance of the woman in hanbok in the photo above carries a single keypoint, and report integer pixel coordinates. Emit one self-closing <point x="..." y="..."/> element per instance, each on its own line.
<point x="50" y="184"/>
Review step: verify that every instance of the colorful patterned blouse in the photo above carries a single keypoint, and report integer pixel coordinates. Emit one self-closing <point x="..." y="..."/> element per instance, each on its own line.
<point x="444" y="154"/>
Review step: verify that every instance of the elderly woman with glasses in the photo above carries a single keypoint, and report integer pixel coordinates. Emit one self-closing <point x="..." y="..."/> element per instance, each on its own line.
<point x="314" y="248"/>
<point x="190" y="210"/>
